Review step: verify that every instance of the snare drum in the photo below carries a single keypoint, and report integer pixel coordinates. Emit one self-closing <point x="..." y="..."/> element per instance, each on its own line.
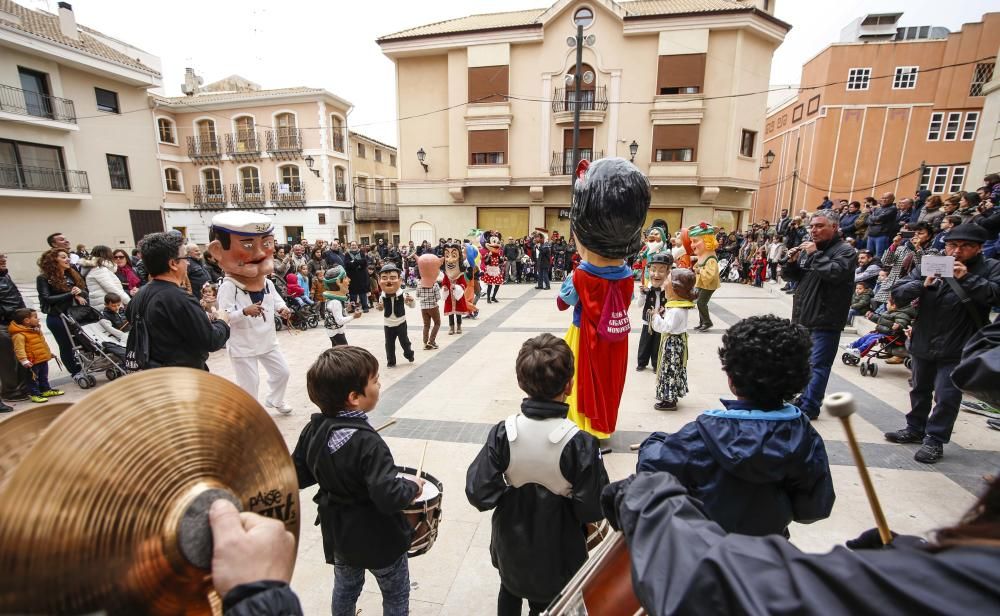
<point x="424" y="514"/>
<point x="603" y="585"/>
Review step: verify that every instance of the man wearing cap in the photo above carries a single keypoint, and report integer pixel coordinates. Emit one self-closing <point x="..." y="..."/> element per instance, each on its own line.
<point x="392" y="303"/>
<point x="243" y="244"/>
<point x="952" y="309"/>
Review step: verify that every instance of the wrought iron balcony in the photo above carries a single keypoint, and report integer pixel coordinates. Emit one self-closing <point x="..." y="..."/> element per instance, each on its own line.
<point x="243" y="145"/>
<point x="20" y="177"/>
<point x="27" y="103"/>
<point x="590" y="100"/>
<point x="209" y="197"/>
<point x="338" y="140"/>
<point x="247" y="195"/>
<point x="371" y="211"/>
<point x="284" y="143"/>
<point x="288" y="195"/>
<point x="341" y="192"/>
<point x="204" y="149"/>
<point x="562" y="162"/>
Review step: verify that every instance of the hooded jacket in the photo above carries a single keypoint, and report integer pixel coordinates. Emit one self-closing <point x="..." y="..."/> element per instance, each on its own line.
<point x="826" y="285"/>
<point x="756" y="471"/>
<point x="29" y="343"/>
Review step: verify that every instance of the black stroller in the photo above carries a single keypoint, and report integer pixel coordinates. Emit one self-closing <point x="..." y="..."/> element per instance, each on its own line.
<point x="93" y="355"/>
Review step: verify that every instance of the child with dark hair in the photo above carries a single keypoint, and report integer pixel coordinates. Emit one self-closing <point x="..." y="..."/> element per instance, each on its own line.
<point x="671" y="323"/>
<point x="33" y="352"/>
<point x="113" y="311"/>
<point x="361" y="496"/>
<point x="543" y="476"/>
<point x="757" y="464"/>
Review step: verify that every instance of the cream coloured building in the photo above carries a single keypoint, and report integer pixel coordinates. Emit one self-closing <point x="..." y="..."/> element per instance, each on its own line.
<point x="375" y="173"/>
<point x="233" y="145"/>
<point x="76" y="137"/>
<point x="491" y="113"/>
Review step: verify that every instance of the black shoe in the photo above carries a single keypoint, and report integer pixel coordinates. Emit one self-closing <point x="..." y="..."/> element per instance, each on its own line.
<point x="19" y="396"/>
<point x="390" y="364"/>
<point x="548" y="288"/>
<point x="906" y="435"/>
<point x="5" y="408"/>
<point x="409" y="356"/>
<point x="640" y="368"/>
<point x="666" y="406"/>
<point x="931" y="452"/>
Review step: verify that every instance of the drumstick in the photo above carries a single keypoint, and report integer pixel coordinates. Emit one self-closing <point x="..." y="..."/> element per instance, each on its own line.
<point x="385" y="425"/>
<point x="420" y="467"/>
<point x="606" y="451"/>
<point x="635" y="447"/>
<point x="841" y="405"/>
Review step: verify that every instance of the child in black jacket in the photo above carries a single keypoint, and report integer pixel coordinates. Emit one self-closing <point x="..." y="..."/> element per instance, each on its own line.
<point x="360" y="496"/>
<point x="543" y="476"/>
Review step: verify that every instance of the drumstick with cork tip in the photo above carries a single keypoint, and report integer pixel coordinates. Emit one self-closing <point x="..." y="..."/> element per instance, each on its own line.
<point x="841" y="405"/>
<point x="385" y="425"/>
<point x="420" y="467"/>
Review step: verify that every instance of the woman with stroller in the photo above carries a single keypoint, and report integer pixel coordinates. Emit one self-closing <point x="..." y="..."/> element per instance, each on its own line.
<point x="60" y="287"/>
<point x="102" y="280"/>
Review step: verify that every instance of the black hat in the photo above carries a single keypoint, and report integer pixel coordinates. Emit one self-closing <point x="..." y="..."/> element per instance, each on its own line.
<point x="662" y="258"/>
<point x="968" y="233"/>
<point x="389" y="267"/>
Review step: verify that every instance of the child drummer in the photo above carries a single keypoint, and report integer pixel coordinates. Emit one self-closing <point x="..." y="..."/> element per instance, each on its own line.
<point x="543" y="476"/>
<point x="360" y="498"/>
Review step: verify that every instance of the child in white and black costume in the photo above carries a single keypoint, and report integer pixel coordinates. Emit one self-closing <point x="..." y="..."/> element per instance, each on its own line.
<point x="335" y="283"/>
<point x="392" y="303"/>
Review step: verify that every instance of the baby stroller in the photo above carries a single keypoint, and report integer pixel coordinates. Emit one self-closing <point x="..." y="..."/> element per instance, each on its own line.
<point x="527" y="269"/>
<point x="559" y="265"/>
<point x="93" y="355"/>
<point x="879" y="346"/>
<point x="303" y="317"/>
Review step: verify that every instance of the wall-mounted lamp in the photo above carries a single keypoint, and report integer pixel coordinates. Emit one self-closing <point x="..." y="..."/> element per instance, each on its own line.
<point x="768" y="159"/>
<point x="310" y="161"/>
<point x="633" y="148"/>
<point x="421" y="156"/>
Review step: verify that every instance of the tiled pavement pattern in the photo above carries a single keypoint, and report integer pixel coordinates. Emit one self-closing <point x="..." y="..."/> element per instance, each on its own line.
<point x="452" y="396"/>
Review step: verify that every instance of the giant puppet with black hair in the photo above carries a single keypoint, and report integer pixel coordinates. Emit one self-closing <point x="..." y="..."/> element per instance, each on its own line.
<point x="242" y="243"/>
<point x="610" y="201"/>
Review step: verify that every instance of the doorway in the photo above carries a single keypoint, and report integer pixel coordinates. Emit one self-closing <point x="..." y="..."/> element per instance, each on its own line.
<point x="145" y="222"/>
<point x="293" y="235"/>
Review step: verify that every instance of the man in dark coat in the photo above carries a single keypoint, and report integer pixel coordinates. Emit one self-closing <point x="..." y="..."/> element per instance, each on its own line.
<point x="197" y="274"/>
<point x="882" y="225"/>
<point x="543" y="261"/>
<point x="332" y="256"/>
<point x="823" y="270"/>
<point x="952" y="310"/>
<point x="847" y="220"/>
<point x="13" y="376"/>
<point x="356" y="266"/>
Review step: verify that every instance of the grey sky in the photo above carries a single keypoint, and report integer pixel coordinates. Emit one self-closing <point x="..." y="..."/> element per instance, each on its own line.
<point x="331" y="44"/>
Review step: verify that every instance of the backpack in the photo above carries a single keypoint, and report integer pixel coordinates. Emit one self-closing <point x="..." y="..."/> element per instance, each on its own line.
<point x="614" y="324"/>
<point x="137" y="347"/>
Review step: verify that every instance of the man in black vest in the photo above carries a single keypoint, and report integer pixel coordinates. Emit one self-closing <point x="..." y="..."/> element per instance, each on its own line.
<point x="392" y="303"/>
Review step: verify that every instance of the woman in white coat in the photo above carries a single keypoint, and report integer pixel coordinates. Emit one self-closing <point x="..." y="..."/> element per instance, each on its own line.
<point x="101" y="278"/>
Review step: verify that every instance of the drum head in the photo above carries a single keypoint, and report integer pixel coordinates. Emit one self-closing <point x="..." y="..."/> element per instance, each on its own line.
<point x="430" y="491"/>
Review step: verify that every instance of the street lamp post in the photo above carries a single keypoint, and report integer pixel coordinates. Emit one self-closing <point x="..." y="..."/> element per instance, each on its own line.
<point x="577" y="78"/>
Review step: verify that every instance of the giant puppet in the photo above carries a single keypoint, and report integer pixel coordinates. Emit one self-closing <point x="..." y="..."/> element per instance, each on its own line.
<point x="706" y="268"/>
<point x="492" y="265"/>
<point x="243" y="245"/>
<point x="657" y="242"/>
<point x="610" y="201"/>
<point x="455" y="285"/>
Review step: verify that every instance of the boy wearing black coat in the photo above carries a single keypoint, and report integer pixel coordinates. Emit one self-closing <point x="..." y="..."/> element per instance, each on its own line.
<point x="543" y="476"/>
<point x="360" y="497"/>
<point x="758" y="464"/>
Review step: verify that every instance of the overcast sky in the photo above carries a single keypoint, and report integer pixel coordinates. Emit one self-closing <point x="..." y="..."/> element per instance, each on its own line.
<point x="331" y="44"/>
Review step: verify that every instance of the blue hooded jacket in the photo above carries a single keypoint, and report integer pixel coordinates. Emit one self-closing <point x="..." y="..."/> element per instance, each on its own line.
<point x="755" y="471"/>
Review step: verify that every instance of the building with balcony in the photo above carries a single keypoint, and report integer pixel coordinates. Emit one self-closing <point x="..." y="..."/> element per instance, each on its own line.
<point x="872" y="108"/>
<point x="491" y="103"/>
<point x="232" y="145"/>
<point x="76" y="136"/>
<point x="374" y="173"/>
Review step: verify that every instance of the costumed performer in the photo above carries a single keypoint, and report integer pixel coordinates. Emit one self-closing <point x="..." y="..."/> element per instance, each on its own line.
<point x="652" y="299"/>
<point x="671" y="323"/>
<point x="703" y="243"/>
<point x="336" y="285"/>
<point x="610" y="201"/>
<point x="456" y="281"/>
<point x="429" y="296"/>
<point x="657" y="241"/>
<point x="242" y="243"/>
<point x="492" y="265"/>
<point x="392" y="303"/>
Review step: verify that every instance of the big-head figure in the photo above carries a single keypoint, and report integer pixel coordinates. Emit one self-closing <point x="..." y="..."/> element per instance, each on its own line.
<point x="243" y="244"/>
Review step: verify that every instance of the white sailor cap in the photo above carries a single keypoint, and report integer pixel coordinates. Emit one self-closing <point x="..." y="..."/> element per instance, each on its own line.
<point x="243" y="223"/>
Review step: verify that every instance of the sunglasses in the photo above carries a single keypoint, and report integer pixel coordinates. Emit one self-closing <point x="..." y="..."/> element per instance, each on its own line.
<point x="120" y="257"/>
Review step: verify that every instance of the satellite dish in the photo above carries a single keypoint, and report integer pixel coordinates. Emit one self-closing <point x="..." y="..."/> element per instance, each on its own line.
<point x="588" y="77"/>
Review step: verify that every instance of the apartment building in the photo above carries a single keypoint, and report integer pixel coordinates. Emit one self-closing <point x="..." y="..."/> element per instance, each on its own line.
<point x="76" y="136"/>
<point x="231" y="144"/>
<point x="375" y="172"/>
<point x="874" y="107"/>
<point x="486" y="135"/>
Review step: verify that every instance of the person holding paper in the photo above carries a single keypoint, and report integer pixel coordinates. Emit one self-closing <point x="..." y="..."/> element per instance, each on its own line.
<point x="952" y="309"/>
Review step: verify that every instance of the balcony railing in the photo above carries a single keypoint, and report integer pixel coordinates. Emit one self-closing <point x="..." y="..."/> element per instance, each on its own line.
<point x="25" y="102"/>
<point x="341" y="192"/>
<point x="284" y="143"/>
<point x="590" y="100"/>
<point x="209" y="196"/>
<point x="562" y="162"/>
<point x="243" y="145"/>
<point x="20" y="177"/>
<point x="288" y="195"/>
<point x="247" y="196"/>
<point x="204" y="149"/>
<point x="338" y="140"/>
<point x="369" y="210"/>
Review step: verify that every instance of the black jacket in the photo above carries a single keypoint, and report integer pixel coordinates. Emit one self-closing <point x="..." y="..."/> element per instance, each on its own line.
<point x="360" y="498"/>
<point x="198" y="276"/>
<point x="882" y="221"/>
<point x="332" y="258"/>
<point x="356" y="266"/>
<point x="755" y="471"/>
<point x="543" y="256"/>
<point x="264" y="598"/>
<point x="539" y="538"/>
<point x="990" y="221"/>
<point x="944" y="325"/>
<point x="826" y="285"/>
<point x="180" y="333"/>
<point x="782" y="227"/>
<point x="794" y="236"/>
<point x="54" y="301"/>
<point x="10" y="298"/>
<point x="683" y="563"/>
<point x="510" y="251"/>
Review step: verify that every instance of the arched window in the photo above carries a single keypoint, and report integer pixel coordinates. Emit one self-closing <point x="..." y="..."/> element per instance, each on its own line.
<point x="250" y="180"/>
<point x="337" y="133"/>
<point x="172" y="179"/>
<point x="289" y="175"/>
<point x="420" y="231"/>
<point x="165" y="128"/>
<point x="206" y="130"/>
<point x="245" y="135"/>
<point x="212" y="180"/>
<point x="341" y="183"/>
<point x="285" y="130"/>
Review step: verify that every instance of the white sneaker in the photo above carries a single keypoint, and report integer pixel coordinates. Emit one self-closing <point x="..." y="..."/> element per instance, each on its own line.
<point x="281" y="407"/>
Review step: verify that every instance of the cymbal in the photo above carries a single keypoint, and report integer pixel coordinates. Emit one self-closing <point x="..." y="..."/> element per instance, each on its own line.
<point x="19" y="432"/>
<point x="107" y="511"/>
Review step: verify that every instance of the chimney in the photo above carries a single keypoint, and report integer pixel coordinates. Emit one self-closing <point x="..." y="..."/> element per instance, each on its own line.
<point x="67" y="21"/>
<point x="191" y="82"/>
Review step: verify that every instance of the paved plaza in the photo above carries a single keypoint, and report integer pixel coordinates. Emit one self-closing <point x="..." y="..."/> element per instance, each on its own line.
<point x="452" y="396"/>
